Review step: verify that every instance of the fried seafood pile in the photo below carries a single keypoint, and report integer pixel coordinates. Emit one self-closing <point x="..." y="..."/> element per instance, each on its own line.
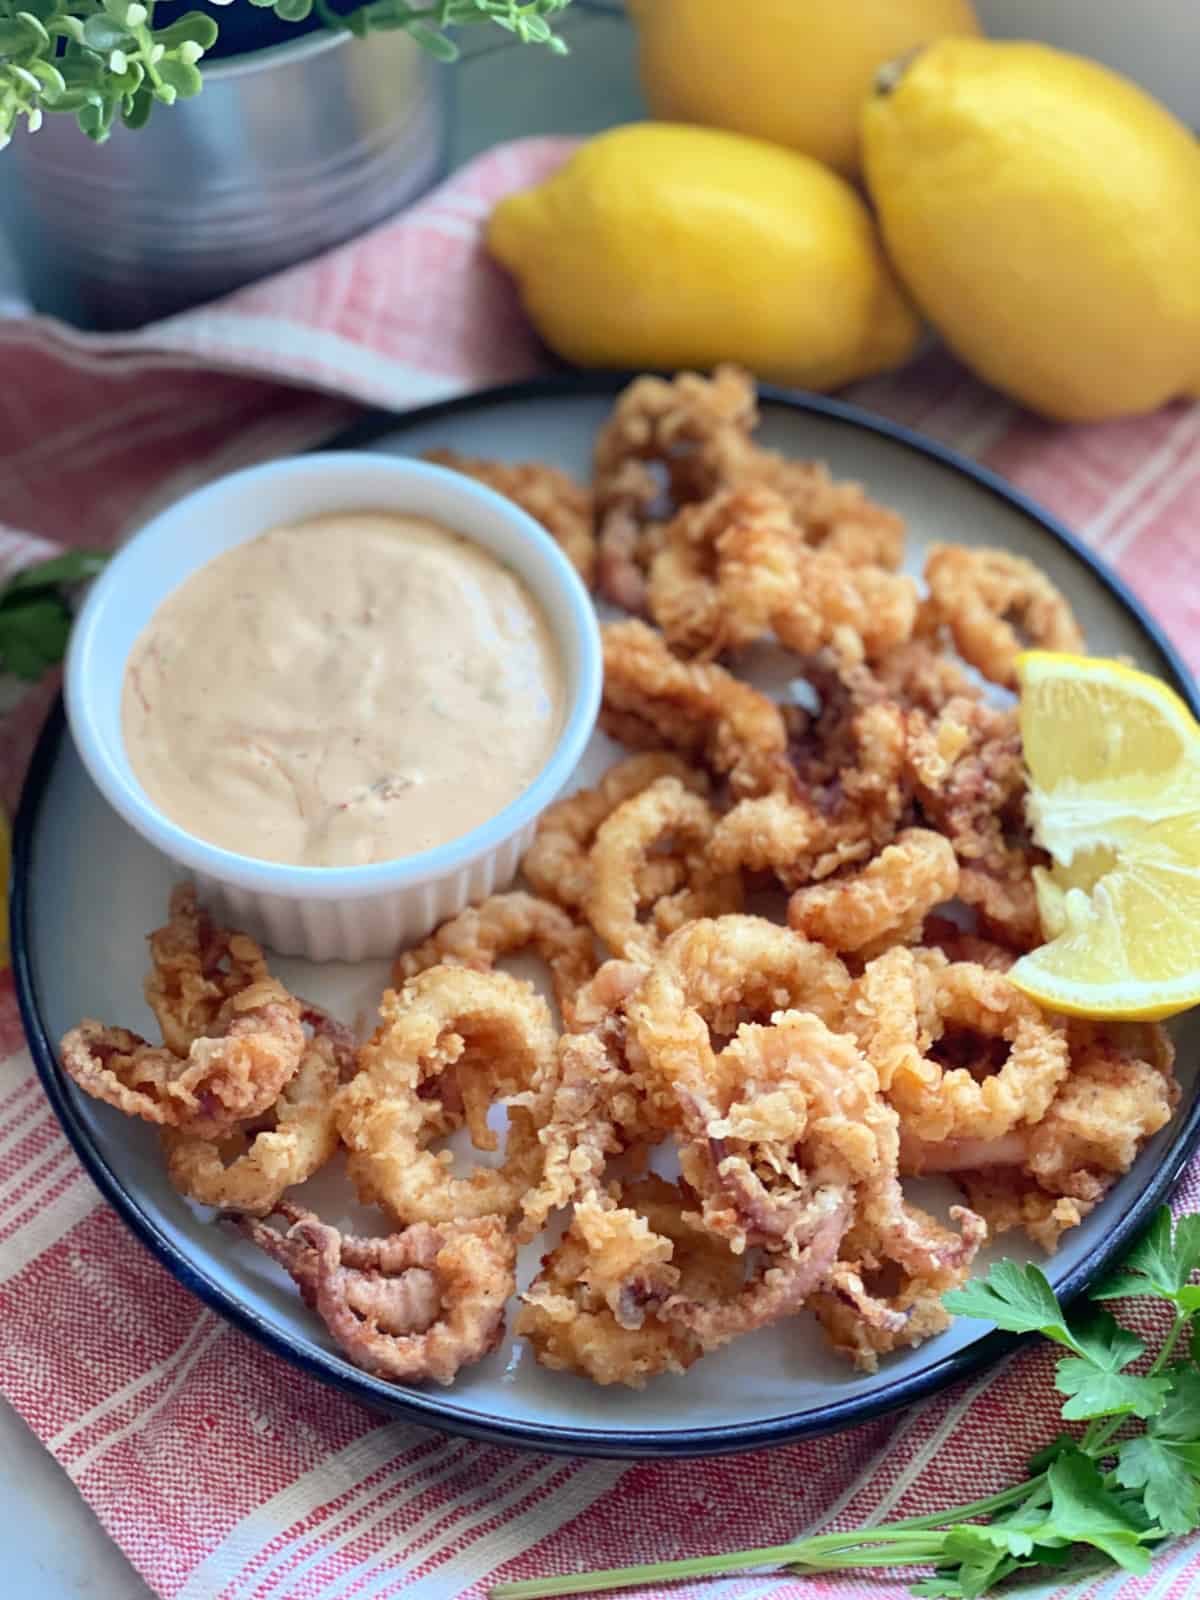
<point x="777" y="936"/>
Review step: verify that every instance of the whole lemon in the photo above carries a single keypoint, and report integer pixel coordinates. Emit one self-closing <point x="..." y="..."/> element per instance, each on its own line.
<point x="665" y="246"/>
<point x="792" y="71"/>
<point x="1045" y="214"/>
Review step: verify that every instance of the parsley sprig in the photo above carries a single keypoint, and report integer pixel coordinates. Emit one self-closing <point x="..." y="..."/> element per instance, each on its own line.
<point x="1127" y="1480"/>
<point x="104" y="60"/>
<point x="35" y="617"/>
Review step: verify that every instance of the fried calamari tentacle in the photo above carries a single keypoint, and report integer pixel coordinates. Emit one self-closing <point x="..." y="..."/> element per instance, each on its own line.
<point x="784" y="1128"/>
<point x="780" y="1287"/>
<point x="961" y="1052"/>
<point x="652" y="698"/>
<point x="502" y="925"/>
<point x="993" y="602"/>
<point x="558" y="863"/>
<point x="876" y="1303"/>
<point x="969" y="777"/>
<point x="665" y="811"/>
<point x="826" y="819"/>
<point x="450" y="1043"/>
<point x="230" y="1077"/>
<point x="195" y="968"/>
<point x="549" y="495"/>
<point x="883" y="903"/>
<point x="595" y="1307"/>
<point x="598" y="1104"/>
<point x="257" y="1162"/>
<point x="416" y="1306"/>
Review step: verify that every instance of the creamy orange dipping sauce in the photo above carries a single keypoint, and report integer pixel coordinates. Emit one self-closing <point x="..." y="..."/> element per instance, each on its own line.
<point x="343" y="690"/>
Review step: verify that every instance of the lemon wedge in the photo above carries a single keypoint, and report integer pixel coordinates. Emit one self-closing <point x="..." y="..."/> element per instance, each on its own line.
<point x="1114" y="797"/>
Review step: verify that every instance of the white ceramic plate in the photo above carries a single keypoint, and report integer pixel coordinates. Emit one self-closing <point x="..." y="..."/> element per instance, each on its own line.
<point x="87" y="889"/>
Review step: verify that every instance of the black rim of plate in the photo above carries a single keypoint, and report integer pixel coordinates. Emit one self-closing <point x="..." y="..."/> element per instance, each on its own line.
<point x="441" y="1411"/>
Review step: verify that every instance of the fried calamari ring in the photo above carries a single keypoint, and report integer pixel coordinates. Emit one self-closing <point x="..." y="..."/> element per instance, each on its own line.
<point x="984" y="596"/>
<point x="823" y="822"/>
<point x="550" y="496"/>
<point x="651" y="698"/>
<point x="257" y="1162"/>
<point x="723" y="971"/>
<point x="623" y="847"/>
<point x="1120" y="1091"/>
<point x="876" y="1304"/>
<point x="500" y="926"/>
<point x="558" y="863"/>
<point x="450" y="1043"/>
<point x="594" y="1308"/>
<point x="912" y="1015"/>
<point x="726" y="566"/>
<point x="195" y="968"/>
<point x="885" y="902"/>
<point x="413" y="1307"/>
<point x="664" y="423"/>
<point x="735" y="568"/>
<point x="236" y="1074"/>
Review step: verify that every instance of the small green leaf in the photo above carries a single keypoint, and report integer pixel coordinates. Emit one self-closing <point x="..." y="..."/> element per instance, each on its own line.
<point x="135" y="112"/>
<point x="177" y="75"/>
<point x="73" y="566"/>
<point x="1166" y="1473"/>
<point x="1162" y="1261"/>
<point x="1095" y="1393"/>
<point x="194" y="28"/>
<point x="70" y="28"/>
<point x="50" y="78"/>
<point x="95" y="119"/>
<point x="33" y="635"/>
<point x="438" y="44"/>
<point x="34" y="25"/>
<point x="1018" y="1299"/>
<point x="1082" y="1511"/>
<point x="1179" y="1419"/>
<point x="101" y="33"/>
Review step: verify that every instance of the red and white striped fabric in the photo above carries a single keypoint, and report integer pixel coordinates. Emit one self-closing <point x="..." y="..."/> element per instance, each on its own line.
<point x="223" y="1473"/>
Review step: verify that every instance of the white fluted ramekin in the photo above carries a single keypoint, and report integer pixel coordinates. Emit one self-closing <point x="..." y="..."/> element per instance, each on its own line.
<point x="326" y="913"/>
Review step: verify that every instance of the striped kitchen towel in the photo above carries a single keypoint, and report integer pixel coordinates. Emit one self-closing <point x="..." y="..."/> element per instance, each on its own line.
<point x="223" y="1473"/>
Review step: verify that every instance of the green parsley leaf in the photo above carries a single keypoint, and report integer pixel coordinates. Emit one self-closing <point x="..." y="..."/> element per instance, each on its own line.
<point x="1017" y="1299"/>
<point x="33" y="635"/>
<point x="1166" y="1473"/>
<point x="34" y="619"/>
<point x="1160" y="1263"/>
<point x="74" y="566"/>
<point x="1096" y="1383"/>
<point x="1082" y="1511"/>
<point x="1179" y="1419"/>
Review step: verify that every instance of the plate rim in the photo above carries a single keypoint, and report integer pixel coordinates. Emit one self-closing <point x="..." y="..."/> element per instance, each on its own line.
<point x="440" y="1411"/>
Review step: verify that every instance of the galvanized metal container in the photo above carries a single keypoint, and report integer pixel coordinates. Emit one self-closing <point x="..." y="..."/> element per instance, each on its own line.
<point x="287" y="151"/>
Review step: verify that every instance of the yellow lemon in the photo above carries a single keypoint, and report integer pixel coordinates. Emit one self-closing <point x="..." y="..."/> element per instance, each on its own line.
<point x="1045" y="214"/>
<point x="792" y="71"/>
<point x="666" y="246"/>
<point x="1114" y="796"/>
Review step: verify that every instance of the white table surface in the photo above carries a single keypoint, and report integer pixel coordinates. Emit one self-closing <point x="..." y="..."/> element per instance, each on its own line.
<point x="51" y="1545"/>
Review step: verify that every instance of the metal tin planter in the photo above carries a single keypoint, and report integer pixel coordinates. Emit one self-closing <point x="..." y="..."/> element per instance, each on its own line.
<point x="288" y="151"/>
